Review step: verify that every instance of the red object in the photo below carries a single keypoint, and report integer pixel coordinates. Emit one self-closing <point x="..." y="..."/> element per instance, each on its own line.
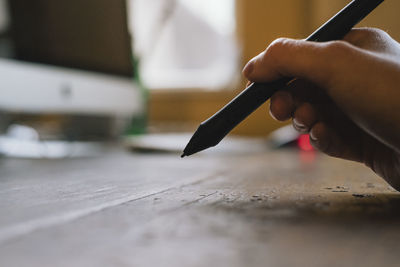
<point x="304" y="143"/>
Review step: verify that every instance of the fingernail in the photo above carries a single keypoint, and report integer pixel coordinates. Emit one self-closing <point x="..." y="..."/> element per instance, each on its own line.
<point x="248" y="69"/>
<point x="299" y="124"/>
<point x="312" y="136"/>
<point x="272" y="115"/>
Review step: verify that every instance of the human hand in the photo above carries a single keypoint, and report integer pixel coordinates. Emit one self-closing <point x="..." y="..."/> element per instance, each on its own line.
<point x="346" y="95"/>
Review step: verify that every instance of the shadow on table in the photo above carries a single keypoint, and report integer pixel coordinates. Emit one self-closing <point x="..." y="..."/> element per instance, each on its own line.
<point x="333" y="207"/>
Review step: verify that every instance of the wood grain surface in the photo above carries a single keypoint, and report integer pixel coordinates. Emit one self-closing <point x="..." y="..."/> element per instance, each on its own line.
<point x="260" y="208"/>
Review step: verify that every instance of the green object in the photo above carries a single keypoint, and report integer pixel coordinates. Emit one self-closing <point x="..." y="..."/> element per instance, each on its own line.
<point x="139" y="121"/>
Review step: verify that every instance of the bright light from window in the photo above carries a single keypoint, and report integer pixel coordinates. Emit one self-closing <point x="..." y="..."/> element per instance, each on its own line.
<point x="185" y="43"/>
<point x="219" y="13"/>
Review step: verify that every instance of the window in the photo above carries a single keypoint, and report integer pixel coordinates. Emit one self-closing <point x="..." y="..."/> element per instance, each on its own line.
<point x="185" y="43"/>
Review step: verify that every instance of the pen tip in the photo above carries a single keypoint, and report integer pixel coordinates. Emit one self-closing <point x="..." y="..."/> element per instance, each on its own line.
<point x="183" y="155"/>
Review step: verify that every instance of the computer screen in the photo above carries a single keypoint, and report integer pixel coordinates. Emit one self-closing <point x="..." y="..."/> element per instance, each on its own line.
<point x="89" y="35"/>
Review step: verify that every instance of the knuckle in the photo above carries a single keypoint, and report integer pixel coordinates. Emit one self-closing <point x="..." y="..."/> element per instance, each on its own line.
<point x="336" y="49"/>
<point x="278" y="46"/>
<point x="360" y="36"/>
<point x="278" y="49"/>
<point x="336" y="46"/>
<point x="372" y="32"/>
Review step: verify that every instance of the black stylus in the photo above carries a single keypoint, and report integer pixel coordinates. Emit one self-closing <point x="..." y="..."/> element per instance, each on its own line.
<point x="213" y="130"/>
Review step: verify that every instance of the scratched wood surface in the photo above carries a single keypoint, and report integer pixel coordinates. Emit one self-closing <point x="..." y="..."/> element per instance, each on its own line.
<point x="261" y="208"/>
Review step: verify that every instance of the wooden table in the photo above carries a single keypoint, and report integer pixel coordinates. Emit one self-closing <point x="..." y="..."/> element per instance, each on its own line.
<point x="245" y="207"/>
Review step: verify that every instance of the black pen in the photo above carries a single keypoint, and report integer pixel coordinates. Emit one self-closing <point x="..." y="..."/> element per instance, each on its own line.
<point x="213" y="130"/>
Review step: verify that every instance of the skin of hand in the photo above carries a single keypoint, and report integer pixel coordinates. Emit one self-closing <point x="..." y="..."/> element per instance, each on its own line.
<point x="346" y="95"/>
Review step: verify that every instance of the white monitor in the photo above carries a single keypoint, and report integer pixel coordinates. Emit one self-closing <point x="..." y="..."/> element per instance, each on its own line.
<point x="68" y="57"/>
<point x="37" y="89"/>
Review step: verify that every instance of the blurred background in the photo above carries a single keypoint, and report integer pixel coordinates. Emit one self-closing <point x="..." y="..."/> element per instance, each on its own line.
<point x="94" y="70"/>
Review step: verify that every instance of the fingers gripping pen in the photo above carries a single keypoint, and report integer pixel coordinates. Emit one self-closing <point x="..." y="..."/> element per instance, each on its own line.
<point x="213" y="130"/>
